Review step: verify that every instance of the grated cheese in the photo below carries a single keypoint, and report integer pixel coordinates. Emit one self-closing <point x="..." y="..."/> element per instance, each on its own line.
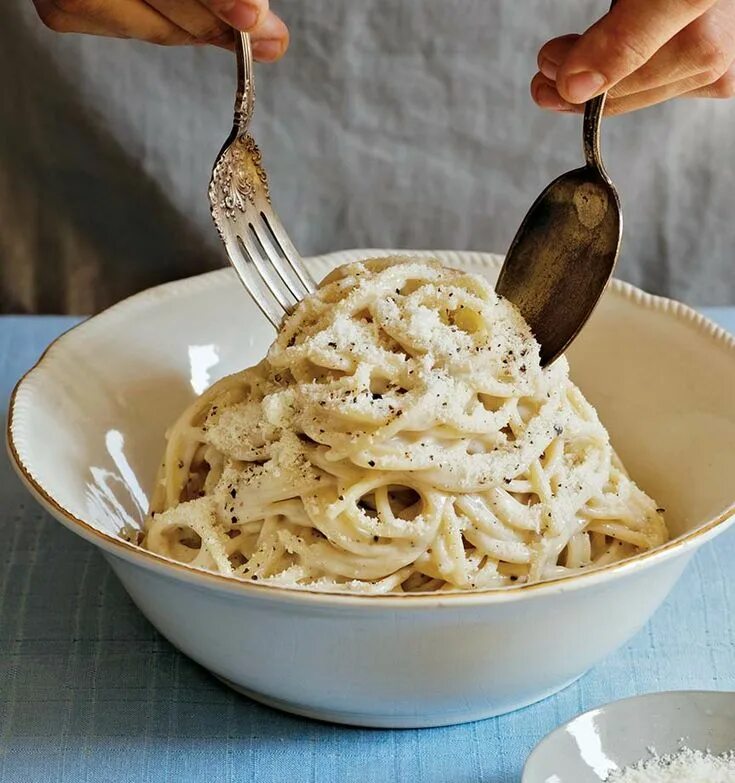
<point x="686" y="766"/>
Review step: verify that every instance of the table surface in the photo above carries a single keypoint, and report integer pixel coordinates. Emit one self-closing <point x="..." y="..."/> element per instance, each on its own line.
<point x="89" y="691"/>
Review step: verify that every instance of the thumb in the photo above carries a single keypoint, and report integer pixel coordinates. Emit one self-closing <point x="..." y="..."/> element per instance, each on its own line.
<point x="621" y="42"/>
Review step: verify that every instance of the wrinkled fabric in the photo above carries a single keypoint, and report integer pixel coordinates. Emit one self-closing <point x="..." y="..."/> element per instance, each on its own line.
<point x="402" y="124"/>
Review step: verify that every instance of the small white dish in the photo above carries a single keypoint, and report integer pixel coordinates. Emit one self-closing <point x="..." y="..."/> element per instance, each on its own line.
<point x="590" y="747"/>
<point x="86" y="431"/>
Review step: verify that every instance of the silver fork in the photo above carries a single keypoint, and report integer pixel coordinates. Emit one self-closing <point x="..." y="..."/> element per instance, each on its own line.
<point x="257" y="245"/>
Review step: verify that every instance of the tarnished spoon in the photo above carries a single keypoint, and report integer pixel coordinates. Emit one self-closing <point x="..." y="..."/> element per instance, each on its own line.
<point x="565" y="250"/>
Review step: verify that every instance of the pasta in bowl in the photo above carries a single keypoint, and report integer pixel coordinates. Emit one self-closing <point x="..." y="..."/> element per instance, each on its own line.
<point x="400" y="436"/>
<point x="86" y="431"/>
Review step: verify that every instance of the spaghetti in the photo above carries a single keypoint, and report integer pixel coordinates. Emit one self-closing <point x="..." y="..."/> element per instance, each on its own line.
<point x="400" y="436"/>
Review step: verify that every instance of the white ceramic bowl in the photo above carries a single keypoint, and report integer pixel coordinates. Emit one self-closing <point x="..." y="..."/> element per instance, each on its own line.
<point x="592" y="746"/>
<point x="86" y="432"/>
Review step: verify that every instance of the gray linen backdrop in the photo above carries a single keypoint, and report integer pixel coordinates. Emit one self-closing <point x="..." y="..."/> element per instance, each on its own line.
<point x="390" y="123"/>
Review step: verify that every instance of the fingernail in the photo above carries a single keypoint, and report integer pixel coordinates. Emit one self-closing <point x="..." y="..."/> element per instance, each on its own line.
<point x="267" y="49"/>
<point x="580" y="87"/>
<point x="549" y="98"/>
<point x="548" y="69"/>
<point x="243" y="15"/>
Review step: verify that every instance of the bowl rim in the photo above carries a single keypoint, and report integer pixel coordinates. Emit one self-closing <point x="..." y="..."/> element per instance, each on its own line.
<point x="114" y="545"/>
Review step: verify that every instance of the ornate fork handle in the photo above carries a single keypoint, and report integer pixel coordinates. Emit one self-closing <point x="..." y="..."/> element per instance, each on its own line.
<point x="238" y="171"/>
<point x="245" y="95"/>
<point x="257" y="244"/>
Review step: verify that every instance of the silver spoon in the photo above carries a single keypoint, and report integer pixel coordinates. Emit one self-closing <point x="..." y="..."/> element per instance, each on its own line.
<point x="565" y="250"/>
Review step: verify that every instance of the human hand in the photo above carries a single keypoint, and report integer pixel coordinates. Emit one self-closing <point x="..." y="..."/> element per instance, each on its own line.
<point x="171" y="22"/>
<point x="644" y="52"/>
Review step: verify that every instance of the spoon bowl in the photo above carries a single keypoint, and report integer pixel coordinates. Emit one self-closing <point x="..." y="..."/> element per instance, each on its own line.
<point x="566" y="248"/>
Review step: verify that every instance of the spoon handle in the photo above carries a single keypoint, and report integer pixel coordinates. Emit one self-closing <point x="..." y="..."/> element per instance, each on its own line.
<point x="593" y="111"/>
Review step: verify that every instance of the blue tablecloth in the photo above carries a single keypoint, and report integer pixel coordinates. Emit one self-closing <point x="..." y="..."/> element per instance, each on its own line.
<point x="90" y="692"/>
